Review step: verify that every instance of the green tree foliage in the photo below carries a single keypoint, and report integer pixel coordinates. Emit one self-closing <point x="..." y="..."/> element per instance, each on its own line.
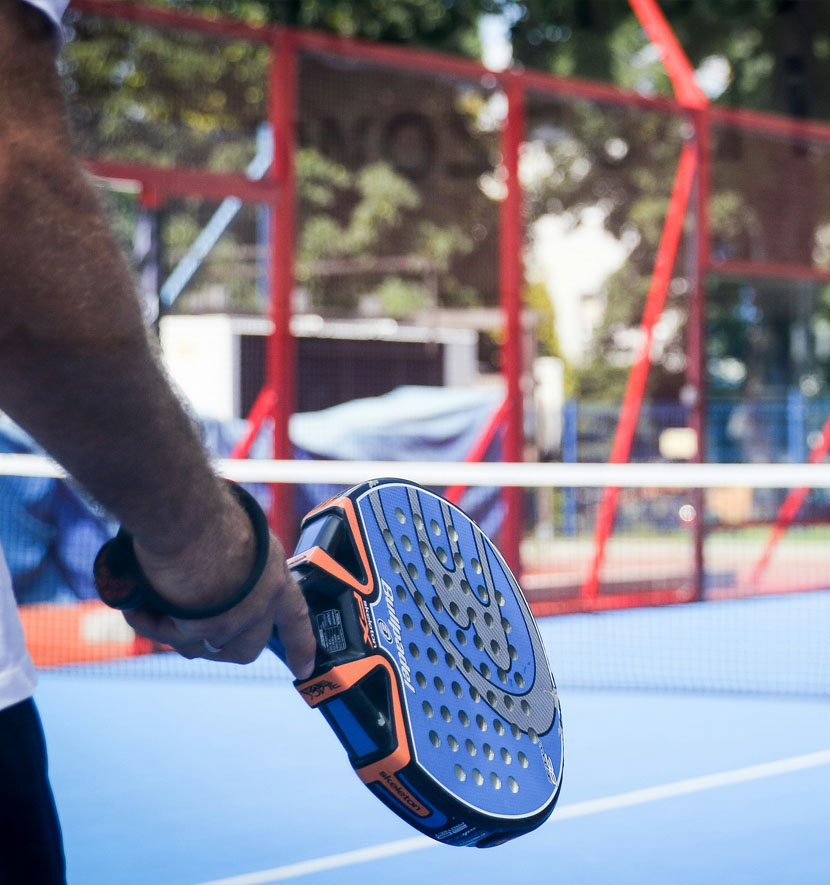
<point x="778" y="51"/>
<point x="353" y="222"/>
<point x="448" y="25"/>
<point x="173" y="98"/>
<point x="146" y="95"/>
<point x="769" y="199"/>
<point x="141" y="94"/>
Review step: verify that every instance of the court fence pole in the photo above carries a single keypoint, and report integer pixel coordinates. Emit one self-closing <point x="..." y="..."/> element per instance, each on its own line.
<point x="511" y="272"/>
<point x="280" y="362"/>
<point x="696" y="336"/>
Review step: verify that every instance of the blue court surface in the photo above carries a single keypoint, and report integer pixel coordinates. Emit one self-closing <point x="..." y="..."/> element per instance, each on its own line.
<point x="179" y="781"/>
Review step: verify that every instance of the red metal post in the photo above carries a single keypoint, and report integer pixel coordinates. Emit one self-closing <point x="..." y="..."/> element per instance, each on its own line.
<point x="511" y="270"/>
<point x="696" y="336"/>
<point x="280" y="371"/>
<point x="177" y="181"/>
<point x="776" y="125"/>
<point x="181" y="18"/>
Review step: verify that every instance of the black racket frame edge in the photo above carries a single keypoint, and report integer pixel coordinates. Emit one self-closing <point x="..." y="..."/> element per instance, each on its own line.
<point x="340" y="621"/>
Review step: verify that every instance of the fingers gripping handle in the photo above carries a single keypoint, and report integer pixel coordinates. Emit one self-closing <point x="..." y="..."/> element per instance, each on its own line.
<point x="335" y="617"/>
<point x="328" y="569"/>
<point x="276" y="646"/>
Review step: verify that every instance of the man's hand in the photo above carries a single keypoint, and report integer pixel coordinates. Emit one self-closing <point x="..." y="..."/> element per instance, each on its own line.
<point x="208" y="569"/>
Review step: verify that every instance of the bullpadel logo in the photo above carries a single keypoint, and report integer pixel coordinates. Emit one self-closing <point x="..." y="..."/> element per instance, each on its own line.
<point x="392" y="633"/>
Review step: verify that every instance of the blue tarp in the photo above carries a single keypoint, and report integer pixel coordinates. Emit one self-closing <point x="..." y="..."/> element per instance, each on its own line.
<point x="48" y="529"/>
<point x="50" y="532"/>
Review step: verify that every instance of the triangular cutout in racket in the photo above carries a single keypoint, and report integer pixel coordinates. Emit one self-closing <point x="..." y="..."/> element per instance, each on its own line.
<point x="430" y="667"/>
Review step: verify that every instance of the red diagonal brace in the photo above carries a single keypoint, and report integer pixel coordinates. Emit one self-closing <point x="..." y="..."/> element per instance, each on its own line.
<point x="480" y="446"/>
<point x="263" y="406"/>
<point x="788" y="510"/>
<point x="635" y="388"/>
<point x="680" y="71"/>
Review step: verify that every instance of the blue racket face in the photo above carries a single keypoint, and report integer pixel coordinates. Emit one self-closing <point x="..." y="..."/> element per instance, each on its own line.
<point x="479" y="698"/>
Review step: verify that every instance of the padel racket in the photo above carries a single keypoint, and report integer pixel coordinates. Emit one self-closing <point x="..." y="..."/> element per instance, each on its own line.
<point x="430" y="668"/>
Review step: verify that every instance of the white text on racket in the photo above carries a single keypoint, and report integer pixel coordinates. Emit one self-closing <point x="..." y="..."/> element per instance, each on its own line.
<point x="395" y="624"/>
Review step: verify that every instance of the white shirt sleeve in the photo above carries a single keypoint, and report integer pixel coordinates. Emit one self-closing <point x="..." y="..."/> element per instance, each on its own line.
<point x="17" y="672"/>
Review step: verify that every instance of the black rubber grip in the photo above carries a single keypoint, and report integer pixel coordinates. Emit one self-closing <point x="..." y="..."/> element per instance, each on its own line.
<point x="122" y="584"/>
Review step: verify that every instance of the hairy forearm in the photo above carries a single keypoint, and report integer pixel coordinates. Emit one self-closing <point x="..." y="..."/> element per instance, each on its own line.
<point x="77" y="369"/>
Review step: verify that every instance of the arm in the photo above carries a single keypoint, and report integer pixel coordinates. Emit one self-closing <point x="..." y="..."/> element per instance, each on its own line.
<point x="78" y="371"/>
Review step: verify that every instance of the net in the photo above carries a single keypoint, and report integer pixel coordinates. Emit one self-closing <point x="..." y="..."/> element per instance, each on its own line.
<point x="714" y="579"/>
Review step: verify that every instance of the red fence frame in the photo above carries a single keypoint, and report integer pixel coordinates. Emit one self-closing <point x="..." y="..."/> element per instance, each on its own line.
<point x="277" y="191"/>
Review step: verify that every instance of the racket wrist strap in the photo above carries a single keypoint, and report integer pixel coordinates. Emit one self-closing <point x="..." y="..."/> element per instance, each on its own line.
<point x="122" y="584"/>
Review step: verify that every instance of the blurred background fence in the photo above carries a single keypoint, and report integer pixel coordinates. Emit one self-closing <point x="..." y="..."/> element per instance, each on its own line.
<point x="357" y="251"/>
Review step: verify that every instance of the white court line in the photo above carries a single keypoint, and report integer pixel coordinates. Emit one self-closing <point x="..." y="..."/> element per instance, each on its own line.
<point x="577" y="809"/>
<point x="331" y="862"/>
